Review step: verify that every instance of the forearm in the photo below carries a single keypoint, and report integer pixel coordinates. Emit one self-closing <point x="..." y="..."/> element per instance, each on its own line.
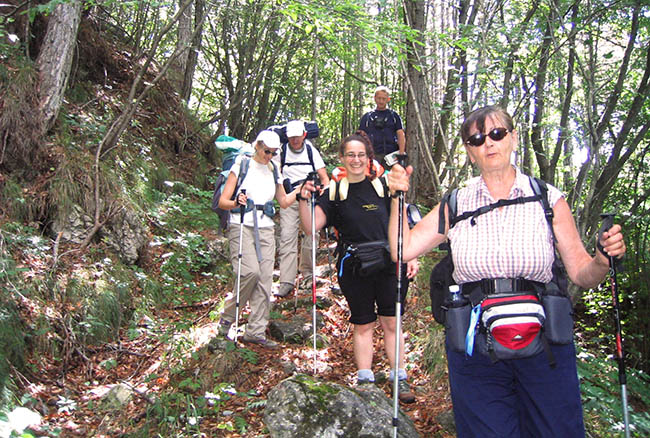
<point x="591" y="272"/>
<point x="305" y="216"/>
<point x="401" y="141"/>
<point x="227" y="204"/>
<point x="393" y="227"/>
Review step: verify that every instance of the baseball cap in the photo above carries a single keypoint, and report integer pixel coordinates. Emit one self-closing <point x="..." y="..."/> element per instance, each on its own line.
<point x="295" y="128"/>
<point x="269" y="138"/>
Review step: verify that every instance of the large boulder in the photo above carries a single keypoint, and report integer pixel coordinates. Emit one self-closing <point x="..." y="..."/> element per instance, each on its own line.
<point x="127" y="234"/>
<point x="302" y="406"/>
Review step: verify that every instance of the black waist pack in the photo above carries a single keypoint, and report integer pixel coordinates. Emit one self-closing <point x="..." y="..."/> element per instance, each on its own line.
<point x="370" y="257"/>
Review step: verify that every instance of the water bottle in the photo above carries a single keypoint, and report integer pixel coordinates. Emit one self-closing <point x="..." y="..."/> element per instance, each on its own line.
<point x="457" y="319"/>
<point x="455" y="297"/>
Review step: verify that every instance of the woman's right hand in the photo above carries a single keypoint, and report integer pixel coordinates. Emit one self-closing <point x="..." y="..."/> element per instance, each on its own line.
<point x="398" y="178"/>
<point x="307" y="189"/>
<point x="242" y="199"/>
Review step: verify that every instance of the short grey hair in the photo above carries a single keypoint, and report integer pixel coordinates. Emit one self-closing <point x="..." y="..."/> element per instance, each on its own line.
<point x="383" y="88"/>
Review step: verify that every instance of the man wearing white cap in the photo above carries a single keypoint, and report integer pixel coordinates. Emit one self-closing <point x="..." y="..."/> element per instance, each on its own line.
<point x="297" y="159"/>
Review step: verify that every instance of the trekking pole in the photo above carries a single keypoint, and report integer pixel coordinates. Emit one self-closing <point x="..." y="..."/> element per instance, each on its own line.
<point x="312" y="203"/>
<point x="333" y="289"/>
<point x="401" y="159"/>
<point x="608" y="222"/>
<point x="239" y="256"/>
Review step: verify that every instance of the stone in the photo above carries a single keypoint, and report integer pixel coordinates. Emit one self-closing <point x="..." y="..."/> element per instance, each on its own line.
<point x="302" y="406"/>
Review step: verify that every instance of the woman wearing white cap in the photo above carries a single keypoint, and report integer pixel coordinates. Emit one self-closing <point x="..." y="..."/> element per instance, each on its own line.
<point x="260" y="185"/>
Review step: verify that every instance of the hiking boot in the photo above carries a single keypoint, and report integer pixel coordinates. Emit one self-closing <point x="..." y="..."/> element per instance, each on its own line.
<point x="405" y="393"/>
<point x="361" y="382"/>
<point x="305" y="283"/>
<point x="284" y="290"/>
<point x="263" y="342"/>
<point x="224" y="327"/>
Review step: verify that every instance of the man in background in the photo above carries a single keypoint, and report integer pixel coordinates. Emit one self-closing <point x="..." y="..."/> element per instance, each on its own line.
<point x="384" y="126"/>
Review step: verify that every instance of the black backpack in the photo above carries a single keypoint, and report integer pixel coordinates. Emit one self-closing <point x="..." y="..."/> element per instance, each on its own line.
<point x="441" y="275"/>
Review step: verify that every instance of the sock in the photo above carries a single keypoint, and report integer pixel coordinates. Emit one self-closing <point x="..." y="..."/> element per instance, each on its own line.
<point x="366" y="375"/>
<point x="401" y="374"/>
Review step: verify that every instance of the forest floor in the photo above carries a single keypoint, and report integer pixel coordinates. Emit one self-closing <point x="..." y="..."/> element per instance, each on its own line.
<point x="136" y="361"/>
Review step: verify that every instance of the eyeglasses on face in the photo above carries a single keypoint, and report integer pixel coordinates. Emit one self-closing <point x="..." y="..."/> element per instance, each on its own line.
<point x="270" y="152"/>
<point x="496" y="134"/>
<point x="352" y="155"/>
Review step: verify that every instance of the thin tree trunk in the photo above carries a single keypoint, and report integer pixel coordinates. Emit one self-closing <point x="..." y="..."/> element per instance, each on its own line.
<point x="55" y="59"/>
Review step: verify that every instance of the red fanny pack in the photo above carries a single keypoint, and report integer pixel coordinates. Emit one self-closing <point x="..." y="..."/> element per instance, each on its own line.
<point x="513" y="323"/>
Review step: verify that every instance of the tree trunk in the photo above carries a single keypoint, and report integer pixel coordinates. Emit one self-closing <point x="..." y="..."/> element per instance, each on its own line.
<point x="418" y="107"/>
<point x="55" y="59"/>
<point x="193" y="54"/>
<point x="537" y="129"/>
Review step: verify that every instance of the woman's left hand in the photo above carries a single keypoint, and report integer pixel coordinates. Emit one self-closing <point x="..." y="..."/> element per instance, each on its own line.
<point x="412" y="268"/>
<point x="612" y="242"/>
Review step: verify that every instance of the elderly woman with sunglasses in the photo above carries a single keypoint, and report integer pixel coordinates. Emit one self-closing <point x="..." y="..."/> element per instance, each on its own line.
<point x="259" y="187"/>
<point x="358" y="207"/>
<point x="510" y="245"/>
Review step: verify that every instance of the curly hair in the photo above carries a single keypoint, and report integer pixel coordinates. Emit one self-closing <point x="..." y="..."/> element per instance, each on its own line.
<point x="362" y="137"/>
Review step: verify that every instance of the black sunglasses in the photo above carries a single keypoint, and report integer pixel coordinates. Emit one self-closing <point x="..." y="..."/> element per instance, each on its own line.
<point x="496" y="134"/>
<point x="270" y="152"/>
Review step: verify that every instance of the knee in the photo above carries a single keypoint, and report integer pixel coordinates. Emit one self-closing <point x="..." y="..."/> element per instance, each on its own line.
<point x="252" y="275"/>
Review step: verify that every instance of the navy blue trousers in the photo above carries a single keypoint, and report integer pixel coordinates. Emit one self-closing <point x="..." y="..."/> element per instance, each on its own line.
<point x="516" y="398"/>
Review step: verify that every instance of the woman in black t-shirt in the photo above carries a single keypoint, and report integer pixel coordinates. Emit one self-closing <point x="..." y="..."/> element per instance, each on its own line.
<point x="358" y="208"/>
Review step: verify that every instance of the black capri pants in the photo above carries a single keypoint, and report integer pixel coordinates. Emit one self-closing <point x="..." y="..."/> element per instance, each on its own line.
<point x="373" y="295"/>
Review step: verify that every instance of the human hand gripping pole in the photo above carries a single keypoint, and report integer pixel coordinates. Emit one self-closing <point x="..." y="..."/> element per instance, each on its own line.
<point x="608" y="222"/>
<point x="242" y="209"/>
<point x="401" y="159"/>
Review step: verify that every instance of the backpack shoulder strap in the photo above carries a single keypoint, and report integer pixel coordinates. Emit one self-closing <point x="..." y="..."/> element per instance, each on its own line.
<point x="310" y="155"/>
<point x="243" y="170"/>
<point x="378" y="185"/>
<point x="541" y="189"/>
<point x="283" y="155"/>
<point x="274" y="168"/>
<point x="334" y="190"/>
<point x="450" y="200"/>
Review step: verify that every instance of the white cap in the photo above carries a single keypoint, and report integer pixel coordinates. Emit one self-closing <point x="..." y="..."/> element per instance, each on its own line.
<point x="295" y="128"/>
<point x="269" y="138"/>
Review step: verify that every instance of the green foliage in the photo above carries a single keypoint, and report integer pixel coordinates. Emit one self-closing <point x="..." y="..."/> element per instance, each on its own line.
<point x="12" y="345"/>
<point x="601" y="396"/>
<point x="248" y="355"/>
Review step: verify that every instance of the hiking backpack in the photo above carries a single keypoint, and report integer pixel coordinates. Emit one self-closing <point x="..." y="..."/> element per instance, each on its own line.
<point x="224" y="215"/>
<point x="311" y="127"/>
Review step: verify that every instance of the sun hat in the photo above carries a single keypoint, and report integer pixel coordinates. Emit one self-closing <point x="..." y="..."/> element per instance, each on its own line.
<point x="269" y="138"/>
<point x="295" y="128"/>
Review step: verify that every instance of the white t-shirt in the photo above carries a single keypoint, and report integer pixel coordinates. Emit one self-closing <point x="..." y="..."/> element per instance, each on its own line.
<point x="259" y="186"/>
<point x="298" y="172"/>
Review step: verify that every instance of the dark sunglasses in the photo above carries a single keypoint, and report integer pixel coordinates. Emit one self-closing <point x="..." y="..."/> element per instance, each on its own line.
<point x="496" y="134"/>
<point x="270" y="152"/>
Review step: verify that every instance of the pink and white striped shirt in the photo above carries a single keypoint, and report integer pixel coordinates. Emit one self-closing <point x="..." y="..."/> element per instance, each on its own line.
<point x="507" y="242"/>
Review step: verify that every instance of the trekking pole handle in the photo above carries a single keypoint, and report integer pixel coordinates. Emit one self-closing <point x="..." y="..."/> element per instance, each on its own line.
<point x="608" y="222"/>
<point x="401" y="159"/>
<point x="242" y="208"/>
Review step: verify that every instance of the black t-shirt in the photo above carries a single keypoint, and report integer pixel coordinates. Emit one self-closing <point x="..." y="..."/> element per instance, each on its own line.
<point x="362" y="217"/>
